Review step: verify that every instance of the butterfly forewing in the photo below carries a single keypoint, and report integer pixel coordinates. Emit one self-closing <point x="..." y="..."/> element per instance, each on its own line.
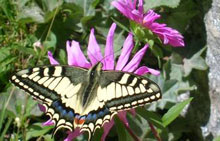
<point x="57" y="87"/>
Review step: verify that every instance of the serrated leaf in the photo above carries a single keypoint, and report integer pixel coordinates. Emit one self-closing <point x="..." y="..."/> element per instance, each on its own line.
<point x="174" y="112"/>
<point x="169" y="92"/>
<point x="176" y="72"/>
<point x="149" y="4"/>
<point x="195" y="62"/>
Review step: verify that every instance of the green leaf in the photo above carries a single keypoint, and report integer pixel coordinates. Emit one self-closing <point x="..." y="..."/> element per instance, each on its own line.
<point x="176" y="72"/>
<point x="50" y="44"/>
<point x="36" y="130"/>
<point x="98" y="134"/>
<point x="2" y="114"/>
<point x="169" y="92"/>
<point x="31" y="13"/>
<point x="121" y="25"/>
<point x="35" y="12"/>
<point x="120" y="129"/>
<point x="87" y="6"/>
<point x="7" y="125"/>
<point x="48" y="138"/>
<point x="151" y="117"/>
<point x="149" y="4"/>
<point x="195" y="62"/>
<point x="6" y="6"/>
<point x="62" y="56"/>
<point x="174" y="112"/>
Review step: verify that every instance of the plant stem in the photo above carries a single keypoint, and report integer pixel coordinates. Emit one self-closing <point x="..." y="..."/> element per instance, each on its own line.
<point x="156" y="135"/>
<point x="51" y="24"/>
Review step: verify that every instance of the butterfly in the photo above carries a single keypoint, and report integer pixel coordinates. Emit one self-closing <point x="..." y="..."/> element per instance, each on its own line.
<point x="85" y="98"/>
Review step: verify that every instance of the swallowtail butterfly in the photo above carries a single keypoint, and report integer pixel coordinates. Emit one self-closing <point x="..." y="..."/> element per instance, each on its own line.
<point x="76" y="97"/>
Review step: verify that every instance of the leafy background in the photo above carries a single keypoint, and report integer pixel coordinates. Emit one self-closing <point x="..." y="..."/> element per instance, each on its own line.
<point x="53" y="22"/>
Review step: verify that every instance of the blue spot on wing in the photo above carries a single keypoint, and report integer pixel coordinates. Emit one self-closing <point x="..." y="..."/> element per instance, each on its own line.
<point x="99" y="114"/>
<point x="70" y="115"/>
<point x="65" y="112"/>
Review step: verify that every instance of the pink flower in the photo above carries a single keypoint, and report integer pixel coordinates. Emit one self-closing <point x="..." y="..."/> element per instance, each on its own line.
<point x="166" y="34"/>
<point x="77" y="58"/>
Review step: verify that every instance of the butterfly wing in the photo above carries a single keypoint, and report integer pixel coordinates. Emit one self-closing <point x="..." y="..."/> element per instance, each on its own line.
<point x="57" y="87"/>
<point x="62" y="89"/>
<point x="118" y="91"/>
<point x="126" y="90"/>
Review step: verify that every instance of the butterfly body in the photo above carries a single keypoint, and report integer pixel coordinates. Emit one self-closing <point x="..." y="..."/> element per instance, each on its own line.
<point x="76" y="97"/>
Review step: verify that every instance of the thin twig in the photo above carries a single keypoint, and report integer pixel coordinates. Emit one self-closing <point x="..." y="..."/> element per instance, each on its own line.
<point x="156" y="135"/>
<point x="51" y="24"/>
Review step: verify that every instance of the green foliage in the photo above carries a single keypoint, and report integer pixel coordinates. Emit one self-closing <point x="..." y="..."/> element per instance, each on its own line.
<point x="158" y="3"/>
<point x="52" y="22"/>
<point x="174" y="112"/>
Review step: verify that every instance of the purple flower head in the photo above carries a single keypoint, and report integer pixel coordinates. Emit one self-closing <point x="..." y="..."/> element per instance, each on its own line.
<point x="135" y="12"/>
<point x="77" y="58"/>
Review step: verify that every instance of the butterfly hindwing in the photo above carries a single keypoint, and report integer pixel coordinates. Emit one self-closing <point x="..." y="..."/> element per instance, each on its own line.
<point x="126" y="90"/>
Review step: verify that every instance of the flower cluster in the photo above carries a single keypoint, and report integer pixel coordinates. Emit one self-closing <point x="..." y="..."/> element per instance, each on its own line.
<point x="166" y="34"/>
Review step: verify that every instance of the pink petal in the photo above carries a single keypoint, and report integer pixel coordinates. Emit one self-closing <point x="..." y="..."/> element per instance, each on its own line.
<point x="166" y="34"/>
<point x="134" y="63"/>
<point x="42" y="108"/>
<point x="52" y="60"/>
<point x="94" y="51"/>
<point x="108" y="61"/>
<point x="48" y="123"/>
<point x="132" y="4"/>
<point x="126" y="51"/>
<point x="122" y="117"/>
<point x="107" y="127"/>
<point x="121" y="7"/>
<point x="140" y="6"/>
<point x="149" y="18"/>
<point x="169" y="36"/>
<point x="144" y="70"/>
<point x="76" y="56"/>
<point x="73" y="134"/>
<point x="133" y="112"/>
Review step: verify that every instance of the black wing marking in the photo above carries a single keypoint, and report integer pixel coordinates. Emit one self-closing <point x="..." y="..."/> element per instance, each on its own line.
<point x="54" y="87"/>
